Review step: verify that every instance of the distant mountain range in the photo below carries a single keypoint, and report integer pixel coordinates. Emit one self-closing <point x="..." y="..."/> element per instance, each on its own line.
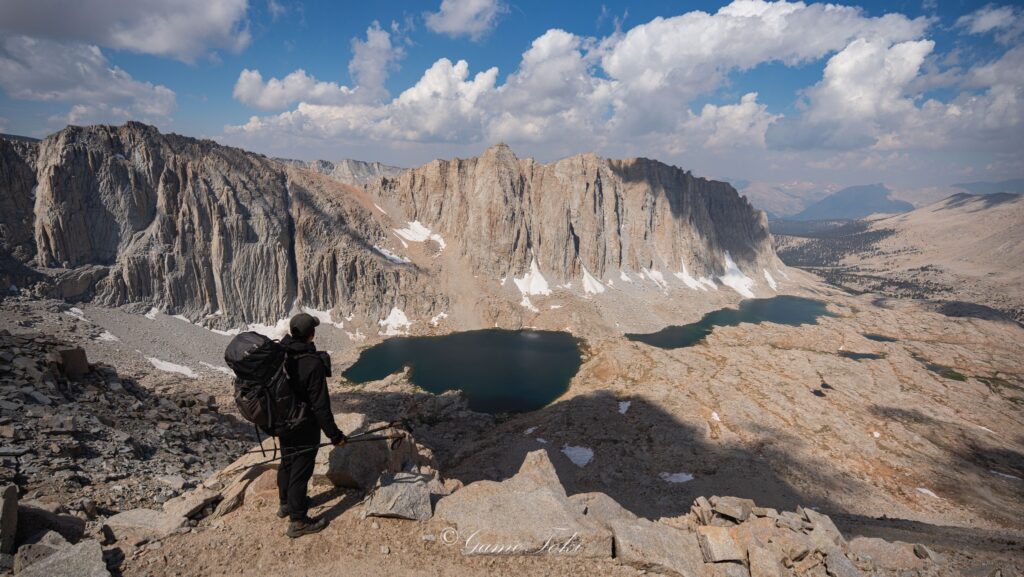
<point x="963" y="249"/>
<point x="853" y="203"/>
<point x="1012" y="185"/>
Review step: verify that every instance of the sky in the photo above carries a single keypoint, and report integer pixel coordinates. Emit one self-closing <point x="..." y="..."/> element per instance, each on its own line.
<point x="916" y="94"/>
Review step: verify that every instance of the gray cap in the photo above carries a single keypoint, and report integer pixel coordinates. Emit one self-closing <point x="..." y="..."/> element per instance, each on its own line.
<point x="302" y="325"/>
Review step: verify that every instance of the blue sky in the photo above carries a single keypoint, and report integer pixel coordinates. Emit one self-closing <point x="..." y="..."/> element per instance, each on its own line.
<point x="916" y="94"/>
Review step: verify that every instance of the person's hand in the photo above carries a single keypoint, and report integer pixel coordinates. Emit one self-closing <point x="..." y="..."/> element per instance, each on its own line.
<point x="340" y="441"/>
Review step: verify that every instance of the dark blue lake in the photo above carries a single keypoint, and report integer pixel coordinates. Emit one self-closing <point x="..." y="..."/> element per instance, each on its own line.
<point x="784" y="310"/>
<point x="500" y="371"/>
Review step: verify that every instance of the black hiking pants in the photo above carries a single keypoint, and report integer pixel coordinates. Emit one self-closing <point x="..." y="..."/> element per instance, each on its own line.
<point x="296" y="470"/>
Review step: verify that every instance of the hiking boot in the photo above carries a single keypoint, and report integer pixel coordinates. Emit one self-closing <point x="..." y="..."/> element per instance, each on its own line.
<point x="283" y="511"/>
<point x="306" y="526"/>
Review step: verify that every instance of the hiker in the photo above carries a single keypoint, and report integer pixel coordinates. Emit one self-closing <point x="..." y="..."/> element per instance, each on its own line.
<point x="308" y="371"/>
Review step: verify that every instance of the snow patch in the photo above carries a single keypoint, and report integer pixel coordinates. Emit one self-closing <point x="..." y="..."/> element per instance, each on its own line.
<point x="676" y="477"/>
<point x="77" y="313"/>
<point x="437" y="319"/>
<point x="151" y="315"/>
<point x="396" y="323"/>
<point x="172" y="367"/>
<point x="735" y="279"/>
<point x="655" y="276"/>
<point x="624" y="406"/>
<point x="391" y="256"/>
<point x="532" y="283"/>
<point x="227" y="333"/>
<point x="554" y="307"/>
<point x="416" y="232"/>
<point x="529" y="431"/>
<point x="218" y="368"/>
<point x="275" y="331"/>
<point x="377" y="206"/>
<point x="13" y="288"/>
<point x="688" y="280"/>
<point x="527" y="304"/>
<point x="356" y="336"/>
<point x="715" y="417"/>
<point x="771" y="281"/>
<point x="928" y="492"/>
<point x="107" y="336"/>
<point x="1005" y="475"/>
<point x="591" y="285"/>
<point x="183" y="318"/>
<point x="624" y="277"/>
<point x="580" y="456"/>
<point x="542" y="441"/>
<point x="323" y="316"/>
<point x="876" y="434"/>
<point x="708" y="281"/>
<point x="783" y="273"/>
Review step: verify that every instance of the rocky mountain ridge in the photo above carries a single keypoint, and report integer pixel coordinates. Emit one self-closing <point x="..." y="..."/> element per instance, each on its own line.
<point x="125" y="214"/>
<point x="348" y="171"/>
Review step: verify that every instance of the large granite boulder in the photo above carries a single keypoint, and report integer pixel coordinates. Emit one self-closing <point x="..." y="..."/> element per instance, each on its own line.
<point x="401" y="496"/>
<point x="144" y="524"/>
<point x="82" y="560"/>
<point x="528" y="513"/>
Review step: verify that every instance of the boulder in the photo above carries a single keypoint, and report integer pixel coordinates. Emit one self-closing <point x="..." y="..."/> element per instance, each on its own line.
<point x="401" y="496"/>
<point x="176" y="482"/>
<point x="191" y="503"/>
<point x="894" y="555"/>
<point x="30" y="553"/>
<point x="825" y="535"/>
<point x="360" y="465"/>
<point x="73" y="362"/>
<point x="838" y="565"/>
<point x="764" y="562"/>
<point x="525" y="514"/>
<point x="234" y="495"/>
<point x="649" y="545"/>
<point x="733" y="507"/>
<point x="36" y="518"/>
<point x="82" y="560"/>
<point x="144" y="524"/>
<point x="8" y="518"/>
<point x="601" y="508"/>
<point x="719" y="544"/>
<point x="78" y="283"/>
<point x="265" y="485"/>
<point x="353" y="466"/>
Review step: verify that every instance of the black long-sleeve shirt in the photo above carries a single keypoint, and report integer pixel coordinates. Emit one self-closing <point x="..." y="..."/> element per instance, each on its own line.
<point x="309" y="382"/>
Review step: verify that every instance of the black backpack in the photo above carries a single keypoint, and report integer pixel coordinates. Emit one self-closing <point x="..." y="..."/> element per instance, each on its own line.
<point x="263" y="390"/>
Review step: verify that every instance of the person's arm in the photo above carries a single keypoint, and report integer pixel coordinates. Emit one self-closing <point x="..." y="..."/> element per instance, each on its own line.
<point x="320" y="401"/>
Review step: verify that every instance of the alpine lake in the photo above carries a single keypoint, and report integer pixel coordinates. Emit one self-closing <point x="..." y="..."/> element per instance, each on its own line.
<point x="515" y="371"/>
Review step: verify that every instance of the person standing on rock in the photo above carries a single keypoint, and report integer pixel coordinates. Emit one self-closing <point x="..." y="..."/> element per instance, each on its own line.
<point x="308" y="371"/>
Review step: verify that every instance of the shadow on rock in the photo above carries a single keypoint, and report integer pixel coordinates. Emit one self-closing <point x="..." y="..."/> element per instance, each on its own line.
<point x="646" y="459"/>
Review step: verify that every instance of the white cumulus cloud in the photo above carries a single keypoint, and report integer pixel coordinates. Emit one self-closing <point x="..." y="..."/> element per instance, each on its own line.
<point x="472" y="18"/>
<point x="79" y="74"/>
<point x="182" y="29"/>
<point x="371" y="62"/>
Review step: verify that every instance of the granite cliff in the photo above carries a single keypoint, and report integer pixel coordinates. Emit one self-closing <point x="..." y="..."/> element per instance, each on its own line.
<point x="222" y="236"/>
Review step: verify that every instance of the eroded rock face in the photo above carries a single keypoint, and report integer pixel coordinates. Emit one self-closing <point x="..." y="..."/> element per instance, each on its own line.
<point x="354" y="172"/>
<point x="583" y="211"/>
<point x="228" y="237"/>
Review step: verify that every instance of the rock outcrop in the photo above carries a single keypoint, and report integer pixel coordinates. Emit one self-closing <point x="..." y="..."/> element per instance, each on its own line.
<point x="347" y="171"/>
<point x="582" y="212"/>
<point x="227" y="237"/>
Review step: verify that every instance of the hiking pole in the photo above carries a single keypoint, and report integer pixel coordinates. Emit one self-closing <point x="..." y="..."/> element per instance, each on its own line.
<point x="356" y="437"/>
<point x="395" y="441"/>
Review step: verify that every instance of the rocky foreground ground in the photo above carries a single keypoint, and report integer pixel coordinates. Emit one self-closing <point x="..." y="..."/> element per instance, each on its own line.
<point x="831" y="452"/>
